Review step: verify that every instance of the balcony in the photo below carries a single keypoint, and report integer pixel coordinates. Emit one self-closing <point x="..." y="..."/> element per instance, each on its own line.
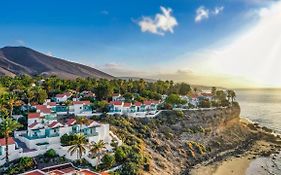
<point x="53" y="135"/>
<point x="92" y="134"/>
<point x="34" y="137"/>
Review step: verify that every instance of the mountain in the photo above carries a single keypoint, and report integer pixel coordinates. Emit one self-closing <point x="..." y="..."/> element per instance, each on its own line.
<point x="22" y="60"/>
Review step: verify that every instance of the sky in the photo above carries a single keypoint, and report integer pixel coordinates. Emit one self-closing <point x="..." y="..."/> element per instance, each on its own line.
<point x="230" y="43"/>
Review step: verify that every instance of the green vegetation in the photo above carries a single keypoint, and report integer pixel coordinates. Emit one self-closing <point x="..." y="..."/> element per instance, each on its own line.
<point x="66" y="139"/>
<point x="7" y="127"/>
<point x="24" y="164"/>
<point x="97" y="148"/>
<point x="195" y="148"/>
<point x="78" y="146"/>
<point x="50" y="153"/>
<point x="174" y="99"/>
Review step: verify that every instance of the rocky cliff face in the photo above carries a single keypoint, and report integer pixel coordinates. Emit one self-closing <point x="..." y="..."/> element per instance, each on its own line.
<point x="174" y="141"/>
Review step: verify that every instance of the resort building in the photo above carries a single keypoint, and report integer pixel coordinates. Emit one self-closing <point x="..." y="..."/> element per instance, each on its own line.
<point x="136" y="109"/>
<point x="62" y="97"/>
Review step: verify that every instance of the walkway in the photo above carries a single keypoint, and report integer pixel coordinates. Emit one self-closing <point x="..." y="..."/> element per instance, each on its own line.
<point x="23" y="146"/>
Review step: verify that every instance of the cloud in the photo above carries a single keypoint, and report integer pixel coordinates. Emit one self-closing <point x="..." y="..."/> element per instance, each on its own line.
<point x="253" y="54"/>
<point x="162" y="22"/>
<point x="203" y="13"/>
<point x="218" y="10"/>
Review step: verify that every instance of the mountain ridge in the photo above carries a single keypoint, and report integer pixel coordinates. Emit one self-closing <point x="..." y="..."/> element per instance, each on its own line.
<point x="23" y="60"/>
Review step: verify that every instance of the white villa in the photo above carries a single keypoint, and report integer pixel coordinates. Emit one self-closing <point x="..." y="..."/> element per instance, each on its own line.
<point x="136" y="109"/>
<point x="62" y="97"/>
<point x="77" y="108"/>
<point x="117" y="97"/>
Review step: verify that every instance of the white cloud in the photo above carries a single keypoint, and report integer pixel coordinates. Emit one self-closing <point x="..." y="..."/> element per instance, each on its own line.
<point x="218" y="10"/>
<point x="253" y="54"/>
<point x="204" y="13"/>
<point x="201" y="13"/>
<point x="162" y="22"/>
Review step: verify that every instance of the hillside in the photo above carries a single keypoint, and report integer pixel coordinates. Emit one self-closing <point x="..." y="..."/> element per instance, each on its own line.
<point x="174" y="142"/>
<point x="22" y="60"/>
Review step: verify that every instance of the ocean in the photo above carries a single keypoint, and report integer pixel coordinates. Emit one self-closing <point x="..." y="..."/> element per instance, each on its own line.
<point x="263" y="107"/>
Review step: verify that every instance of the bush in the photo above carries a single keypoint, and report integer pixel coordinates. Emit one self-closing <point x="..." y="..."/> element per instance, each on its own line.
<point x="108" y="160"/>
<point x="120" y="154"/>
<point x="26" y="162"/>
<point x="50" y="153"/>
<point x="66" y="139"/>
<point x="130" y="168"/>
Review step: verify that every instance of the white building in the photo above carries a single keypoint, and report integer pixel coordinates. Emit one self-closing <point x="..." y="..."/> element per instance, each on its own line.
<point x="62" y="97"/>
<point x="118" y="97"/>
<point x="138" y="108"/>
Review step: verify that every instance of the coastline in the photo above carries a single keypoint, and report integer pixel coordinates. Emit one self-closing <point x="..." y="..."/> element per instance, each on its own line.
<point x="240" y="161"/>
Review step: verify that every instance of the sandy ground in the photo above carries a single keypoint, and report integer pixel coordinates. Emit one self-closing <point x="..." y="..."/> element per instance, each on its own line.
<point x="233" y="165"/>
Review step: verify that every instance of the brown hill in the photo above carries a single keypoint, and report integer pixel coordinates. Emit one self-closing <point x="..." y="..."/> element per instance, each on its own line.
<point x="22" y="60"/>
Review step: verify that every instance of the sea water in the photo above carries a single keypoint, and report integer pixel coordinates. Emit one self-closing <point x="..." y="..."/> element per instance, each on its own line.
<point x="263" y="107"/>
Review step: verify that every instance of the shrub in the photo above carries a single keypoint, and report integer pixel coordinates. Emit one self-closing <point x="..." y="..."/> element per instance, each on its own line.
<point x="108" y="160"/>
<point x="130" y="168"/>
<point x="66" y="139"/>
<point x="50" y="153"/>
<point x="120" y="154"/>
<point x="26" y="162"/>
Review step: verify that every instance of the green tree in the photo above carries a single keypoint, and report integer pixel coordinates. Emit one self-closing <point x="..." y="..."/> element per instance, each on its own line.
<point x="26" y="162"/>
<point x="7" y="127"/>
<point x="104" y="90"/>
<point x="12" y="101"/>
<point x="108" y="160"/>
<point x="174" y="99"/>
<point x="97" y="149"/>
<point x="184" y="89"/>
<point x="78" y="146"/>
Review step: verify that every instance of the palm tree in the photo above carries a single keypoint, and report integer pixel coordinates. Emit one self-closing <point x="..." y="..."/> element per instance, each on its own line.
<point x="78" y="145"/>
<point x="97" y="149"/>
<point x="13" y="101"/>
<point x="7" y="126"/>
<point x="81" y="120"/>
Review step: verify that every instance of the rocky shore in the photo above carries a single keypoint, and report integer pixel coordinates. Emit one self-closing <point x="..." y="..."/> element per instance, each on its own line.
<point x="241" y="160"/>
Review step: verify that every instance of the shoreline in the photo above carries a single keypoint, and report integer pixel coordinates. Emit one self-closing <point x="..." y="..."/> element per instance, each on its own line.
<point x="239" y="161"/>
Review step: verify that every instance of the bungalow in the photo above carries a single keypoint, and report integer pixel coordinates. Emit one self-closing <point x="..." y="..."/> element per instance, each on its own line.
<point x="126" y="108"/>
<point x="88" y="94"/>
<point x="207" y="95"/>
<point x="11" y="146"/>
<point x="116" y="106"/>
<point x="151" y="105"/>
<point x="14" y="150"/>
<point x="62" y="97"/>
<point x="79" y="108"/>
<point x="117" y="97"/>
<point x="148" y="106"/>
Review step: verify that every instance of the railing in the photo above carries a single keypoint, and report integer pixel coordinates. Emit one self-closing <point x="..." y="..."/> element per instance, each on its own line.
<point x="53" y="135"/>
<point x="34" y="137"/>
<point x="92" y="134"/>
